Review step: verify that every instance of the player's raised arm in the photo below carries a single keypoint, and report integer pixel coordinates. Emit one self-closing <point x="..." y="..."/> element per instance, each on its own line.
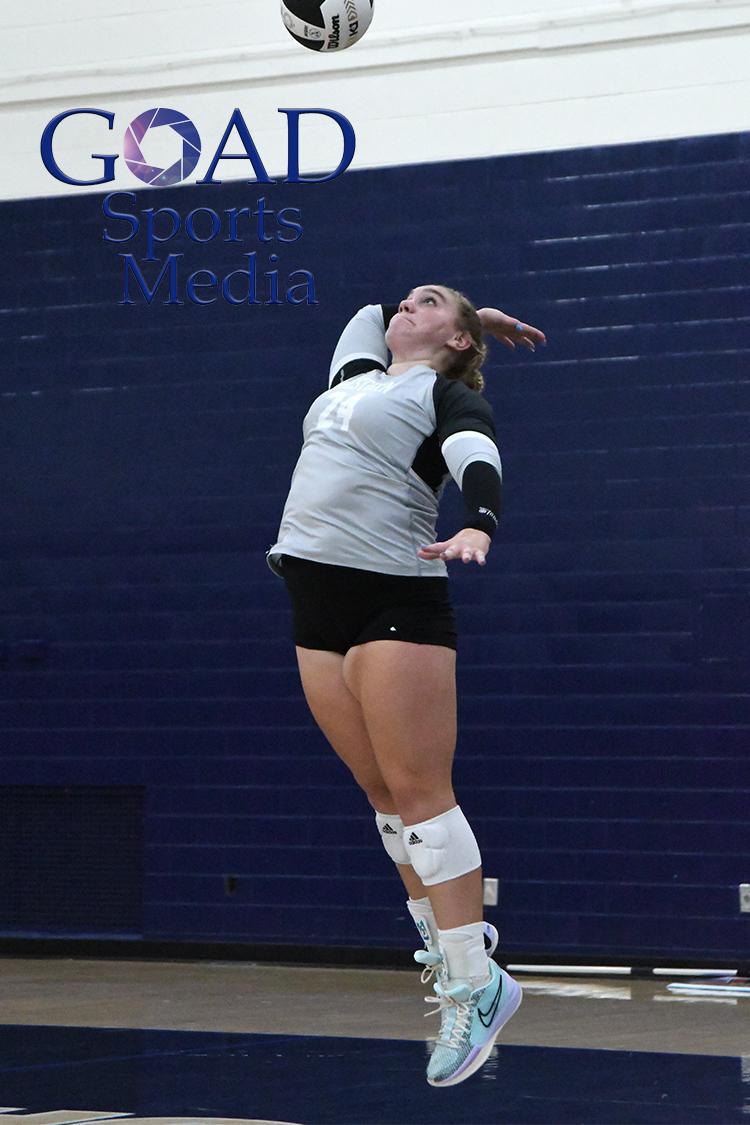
<point x="361" y="346"/>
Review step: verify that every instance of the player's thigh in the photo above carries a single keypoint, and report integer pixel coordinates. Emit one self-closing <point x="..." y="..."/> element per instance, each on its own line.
<point x="408" y="697"/>
<point x="339" y="715"/>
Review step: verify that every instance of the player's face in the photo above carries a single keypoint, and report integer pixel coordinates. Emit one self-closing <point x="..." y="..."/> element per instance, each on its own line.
<point x="427" y="317"/>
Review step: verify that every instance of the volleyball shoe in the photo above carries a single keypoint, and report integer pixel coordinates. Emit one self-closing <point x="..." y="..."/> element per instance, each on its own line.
<point x="470" y="1023"/>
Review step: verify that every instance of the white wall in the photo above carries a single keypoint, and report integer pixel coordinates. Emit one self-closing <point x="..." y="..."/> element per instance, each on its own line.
<point x="432" y="80"/>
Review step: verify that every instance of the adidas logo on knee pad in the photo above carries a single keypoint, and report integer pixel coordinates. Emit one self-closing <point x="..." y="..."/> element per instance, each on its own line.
<point x="414" y="839"/>
<point x="391" y="830"/>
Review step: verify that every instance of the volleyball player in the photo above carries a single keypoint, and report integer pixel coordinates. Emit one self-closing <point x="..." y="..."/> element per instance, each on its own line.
<point x="374" y="626"/>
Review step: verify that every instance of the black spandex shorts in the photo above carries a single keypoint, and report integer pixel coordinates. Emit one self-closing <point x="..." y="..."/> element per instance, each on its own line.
<point x="337" y="607"/>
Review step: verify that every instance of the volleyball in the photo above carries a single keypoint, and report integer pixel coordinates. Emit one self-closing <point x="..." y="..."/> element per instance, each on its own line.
<point x="327" y="25"/>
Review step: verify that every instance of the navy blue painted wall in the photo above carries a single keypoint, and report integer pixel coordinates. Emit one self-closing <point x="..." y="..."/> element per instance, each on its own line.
<point x="145" y="455"/>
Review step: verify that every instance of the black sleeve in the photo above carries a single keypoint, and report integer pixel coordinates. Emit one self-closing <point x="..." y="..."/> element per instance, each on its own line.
<point x="482" y="492"/>
<point x="458" y="407"/>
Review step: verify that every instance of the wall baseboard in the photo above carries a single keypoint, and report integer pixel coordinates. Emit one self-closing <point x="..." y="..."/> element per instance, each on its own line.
<point x="344" y="956"/>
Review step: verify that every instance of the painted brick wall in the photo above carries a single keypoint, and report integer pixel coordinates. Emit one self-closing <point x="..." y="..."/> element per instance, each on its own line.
<point x="146" y="452"/>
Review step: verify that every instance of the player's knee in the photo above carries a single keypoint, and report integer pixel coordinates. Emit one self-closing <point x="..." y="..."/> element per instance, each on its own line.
<point x="442" y="848"/>
<point x="417" y="793"/>
<point x="379" y="796"/>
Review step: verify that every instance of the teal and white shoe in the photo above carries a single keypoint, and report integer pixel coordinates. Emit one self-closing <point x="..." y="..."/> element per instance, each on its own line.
<point x="432" y="961"/>
<point x="470" y="1023"/>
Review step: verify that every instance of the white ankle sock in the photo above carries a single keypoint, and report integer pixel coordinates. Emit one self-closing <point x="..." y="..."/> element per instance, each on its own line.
<point x="424" y="919"/>
<point x="463" y="953"/>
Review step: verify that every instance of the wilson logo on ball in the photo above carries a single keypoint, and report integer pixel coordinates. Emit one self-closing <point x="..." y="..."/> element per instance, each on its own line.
<point x="327" y="25"/>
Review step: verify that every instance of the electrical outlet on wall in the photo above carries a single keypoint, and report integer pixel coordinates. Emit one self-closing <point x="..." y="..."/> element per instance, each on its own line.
<point x="744" y="898"/>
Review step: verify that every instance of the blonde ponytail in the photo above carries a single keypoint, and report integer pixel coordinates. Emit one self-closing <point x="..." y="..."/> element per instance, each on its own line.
<point x="467" y="365"/>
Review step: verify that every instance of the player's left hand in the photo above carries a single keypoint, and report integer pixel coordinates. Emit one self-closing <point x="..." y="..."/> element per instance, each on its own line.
<point x="509" y="331"/>
<point x="468" y="545"/>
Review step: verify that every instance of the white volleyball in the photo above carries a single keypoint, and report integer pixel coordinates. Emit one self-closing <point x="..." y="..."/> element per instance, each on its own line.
<point x="327" y="25"/>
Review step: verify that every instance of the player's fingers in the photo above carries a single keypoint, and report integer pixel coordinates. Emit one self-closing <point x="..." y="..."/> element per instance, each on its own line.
<point x="448" y="551"/>
<point x="528" y="335"/>
<point x="468" y="556"/>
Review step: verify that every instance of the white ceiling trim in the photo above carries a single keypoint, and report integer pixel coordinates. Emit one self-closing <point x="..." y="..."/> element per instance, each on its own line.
<point x="591" y="25"/>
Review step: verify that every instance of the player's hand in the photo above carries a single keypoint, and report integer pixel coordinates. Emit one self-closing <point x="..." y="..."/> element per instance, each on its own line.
<point x="509" y="331"/>
<point x="468" y="545"/>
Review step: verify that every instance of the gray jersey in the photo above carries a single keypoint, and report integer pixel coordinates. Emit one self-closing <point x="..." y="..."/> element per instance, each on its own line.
<point x="378" y="450"/>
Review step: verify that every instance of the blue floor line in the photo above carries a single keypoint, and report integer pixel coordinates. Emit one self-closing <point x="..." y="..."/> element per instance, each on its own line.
<point x="318" y="1080"/>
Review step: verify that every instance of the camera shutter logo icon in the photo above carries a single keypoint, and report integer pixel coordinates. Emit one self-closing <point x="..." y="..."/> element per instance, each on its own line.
<point x="162" y="146"/>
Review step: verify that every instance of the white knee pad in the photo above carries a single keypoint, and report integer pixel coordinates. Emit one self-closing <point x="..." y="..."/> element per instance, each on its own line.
<point x="391" y="829"/>
<point x="442" y="848"/>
